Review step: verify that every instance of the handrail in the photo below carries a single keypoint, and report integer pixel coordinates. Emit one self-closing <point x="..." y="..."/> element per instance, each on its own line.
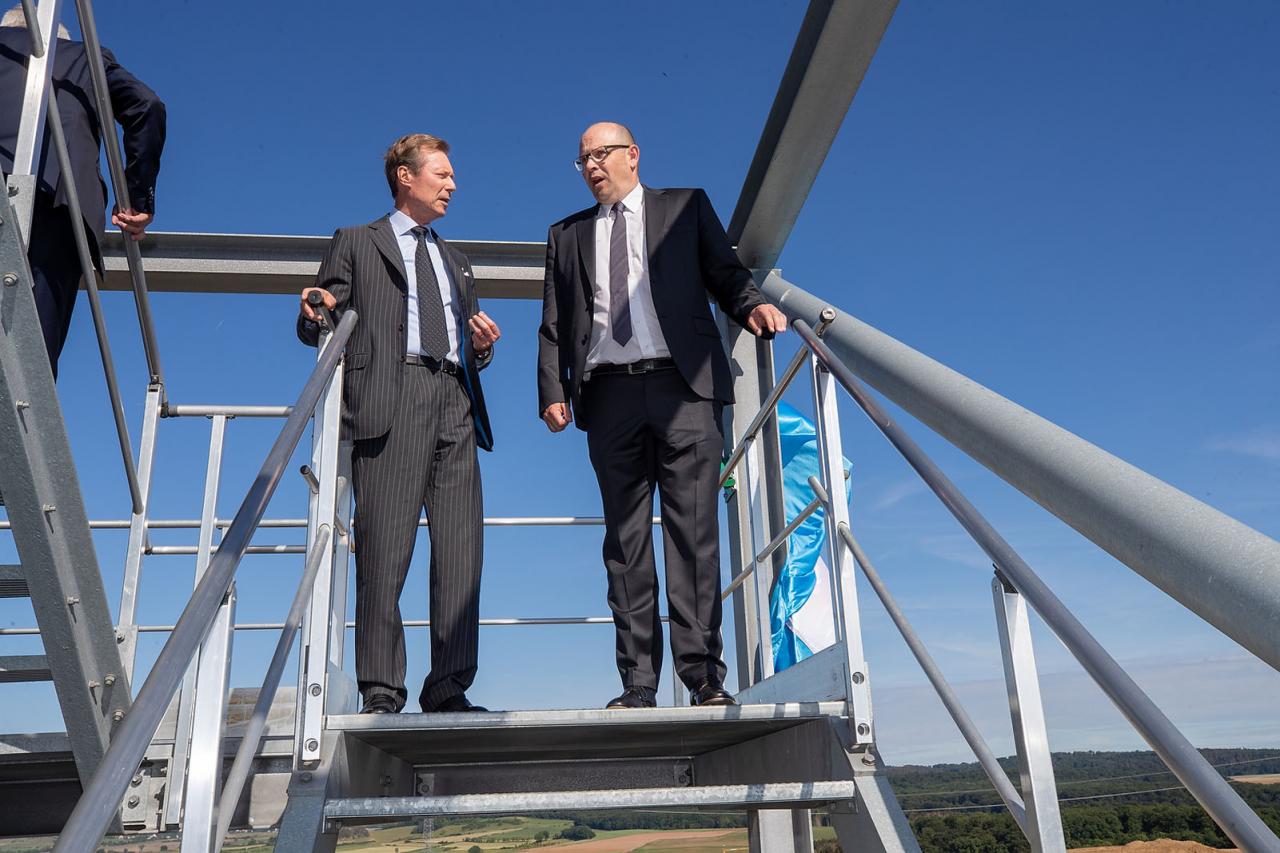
<point x="95" y="303"/>
<point x="1215" y="566"/>
<point x="239" y="772"/>
<point x="33" y="29"/>
<point x="1240" y="823"/>
<point x="115" y="163"/>
<point x="97" y="806"/>
<point x="766" y="410"/>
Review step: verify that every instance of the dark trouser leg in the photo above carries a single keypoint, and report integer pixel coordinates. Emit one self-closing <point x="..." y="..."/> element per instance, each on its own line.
<point x="389" y="476"/>
<point x="55" y="270"/>
<point x="621" y="451"/>
<point x="687" y="434"/>
<point x="455" y="509"/>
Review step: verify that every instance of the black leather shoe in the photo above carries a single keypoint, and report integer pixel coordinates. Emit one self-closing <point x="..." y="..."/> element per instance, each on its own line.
<point x="711" y="693"/>
<point x="457" y="704"/>
<point x="379" y="703"/>
<point x="635" y="697"/>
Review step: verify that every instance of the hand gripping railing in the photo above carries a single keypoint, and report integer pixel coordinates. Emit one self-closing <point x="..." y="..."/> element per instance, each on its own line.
<point x="1223" y="804"/>
<point x="115" y="163"/>
<point x="101" y="799"/>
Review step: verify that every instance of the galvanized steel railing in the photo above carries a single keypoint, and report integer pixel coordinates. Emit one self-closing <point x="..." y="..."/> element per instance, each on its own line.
<point x="101" y="800"/>
<point x="1038" y="816"/>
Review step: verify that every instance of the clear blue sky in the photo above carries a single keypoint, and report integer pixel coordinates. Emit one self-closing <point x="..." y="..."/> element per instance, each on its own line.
<point x="1076" y="207"/>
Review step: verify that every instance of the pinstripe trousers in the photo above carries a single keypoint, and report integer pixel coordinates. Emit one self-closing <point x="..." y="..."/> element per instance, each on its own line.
<point x="426" y="460"/>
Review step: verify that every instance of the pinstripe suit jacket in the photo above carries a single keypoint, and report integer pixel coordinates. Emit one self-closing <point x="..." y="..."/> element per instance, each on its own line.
<point x="363" y="270"/>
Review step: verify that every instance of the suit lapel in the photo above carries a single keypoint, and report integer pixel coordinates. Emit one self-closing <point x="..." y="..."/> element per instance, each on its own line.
<point x="656" y="211"/>
<point x="585" y="232"/>
<point x="385" y="240"/>
<point x="462" y="281"/>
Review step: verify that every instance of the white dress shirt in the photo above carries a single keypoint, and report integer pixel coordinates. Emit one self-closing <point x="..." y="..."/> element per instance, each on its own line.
<point x="646" y="335"/>
<point x="402" y="225"/>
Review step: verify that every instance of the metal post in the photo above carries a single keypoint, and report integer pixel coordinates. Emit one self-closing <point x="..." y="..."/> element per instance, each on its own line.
<point x="844" y="587"/>
<point x="35" y="98"/>
<point x="115" y="162"/>
<point x="747" y="392"/>
<point x="213" y="687"/>
<point x="1039" y="792"/>
<point x="127" y="628"/>
<point x="239" y="772"/>
<point x="318" y="632"/>
<point x="174" y="793"/>
<point x="761" y="580"/>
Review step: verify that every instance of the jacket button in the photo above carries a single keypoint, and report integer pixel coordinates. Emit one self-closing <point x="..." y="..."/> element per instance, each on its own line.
<point x="584" y="340"/>
<point x="400" y="328"/>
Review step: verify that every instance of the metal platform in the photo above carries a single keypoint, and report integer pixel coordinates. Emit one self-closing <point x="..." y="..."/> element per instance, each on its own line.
<point x="583" y="735"/>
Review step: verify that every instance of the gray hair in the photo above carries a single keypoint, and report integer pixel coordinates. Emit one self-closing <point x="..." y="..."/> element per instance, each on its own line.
<point x="15" y="18"/>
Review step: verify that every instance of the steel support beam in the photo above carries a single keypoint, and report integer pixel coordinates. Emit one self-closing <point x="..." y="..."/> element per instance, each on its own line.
<point x="1216" y="567"/>
<point x="258" y="263"/>
<point x="831" y="55"/>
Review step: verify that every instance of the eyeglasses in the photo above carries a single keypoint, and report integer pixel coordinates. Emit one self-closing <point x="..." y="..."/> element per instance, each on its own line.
<point x="596" y="155"/>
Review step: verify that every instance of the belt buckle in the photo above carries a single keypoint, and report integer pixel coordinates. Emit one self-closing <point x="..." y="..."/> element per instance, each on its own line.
<point x="636" y="367"/>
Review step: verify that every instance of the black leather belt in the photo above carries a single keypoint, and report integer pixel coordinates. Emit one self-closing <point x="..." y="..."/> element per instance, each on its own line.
<point x="644" y="365"/>
<point x="432" y="364"/>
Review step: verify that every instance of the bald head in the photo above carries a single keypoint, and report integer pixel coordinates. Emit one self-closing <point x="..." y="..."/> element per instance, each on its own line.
<point x="612" y="161"/>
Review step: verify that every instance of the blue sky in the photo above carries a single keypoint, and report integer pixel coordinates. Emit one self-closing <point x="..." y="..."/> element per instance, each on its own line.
<point x="1074" y="206"/>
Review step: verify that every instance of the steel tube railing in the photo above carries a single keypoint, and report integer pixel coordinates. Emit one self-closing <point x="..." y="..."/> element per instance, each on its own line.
<point x="207" y="411"/>
<point x="497" y="621"/>
<point x="115" y="162"/>
<point x="1224" y="805"/>
<point x="97" y="806"/>
<point x="239" y="772"/>
<point x="492" y="521"/>
<point x="1216" y="567"/>
<point x="766" y="412"/>
<point x="969" y="731"/>
<point x="33" y="28"/>
<point x="95" y="302"/>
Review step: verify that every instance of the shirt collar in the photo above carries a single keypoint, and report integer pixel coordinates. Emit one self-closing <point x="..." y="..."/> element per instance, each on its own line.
<point x="632" y="201"/>
<point x="402" y="224"/>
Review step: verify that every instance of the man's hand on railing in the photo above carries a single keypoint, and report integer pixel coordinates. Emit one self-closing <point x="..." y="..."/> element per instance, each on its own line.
<point x="557" y="416"/>
<point x="131" y="222"/>
<point x="326" y="298"/>
<point x="765" y="321"/>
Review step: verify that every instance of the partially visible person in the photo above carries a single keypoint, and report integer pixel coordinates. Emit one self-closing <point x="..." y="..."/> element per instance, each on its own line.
<point x="51" y="250"/>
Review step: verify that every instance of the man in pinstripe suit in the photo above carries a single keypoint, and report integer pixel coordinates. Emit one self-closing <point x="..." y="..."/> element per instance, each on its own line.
<point x="415" y="412"/>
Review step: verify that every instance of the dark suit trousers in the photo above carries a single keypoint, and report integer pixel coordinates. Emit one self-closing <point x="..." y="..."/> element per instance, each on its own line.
<point x="55" y="270"/>
<point x="426" y="460"/>
<point x="646" y="430"/>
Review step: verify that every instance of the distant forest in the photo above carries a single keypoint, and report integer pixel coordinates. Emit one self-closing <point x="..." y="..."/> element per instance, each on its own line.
<point x="1107" y="798"/>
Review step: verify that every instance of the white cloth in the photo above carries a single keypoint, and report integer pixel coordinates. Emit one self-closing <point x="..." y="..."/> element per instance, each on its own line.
<point x="402" y="225"/>
<point x="646" y="334"/>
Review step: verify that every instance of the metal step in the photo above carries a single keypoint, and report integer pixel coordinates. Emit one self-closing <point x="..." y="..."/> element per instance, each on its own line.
<point x="573" y="735"/>
<point x="772" y="795"/>
<point x="14" y="668"/>
<point x="13" y="583"/>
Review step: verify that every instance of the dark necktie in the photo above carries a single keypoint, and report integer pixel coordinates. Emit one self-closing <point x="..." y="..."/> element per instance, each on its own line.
<point x="433" y="335"/>
<point x="619" y="299"/>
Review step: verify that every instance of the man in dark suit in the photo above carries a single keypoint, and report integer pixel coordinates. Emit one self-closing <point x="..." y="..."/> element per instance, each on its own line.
<point x="629" y="346"/>
<point x="51" y="250"/>
<point x="415" y="412"/>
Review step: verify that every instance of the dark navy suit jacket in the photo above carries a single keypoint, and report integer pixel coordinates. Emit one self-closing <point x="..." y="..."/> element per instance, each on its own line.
<point x="140" y="112"/>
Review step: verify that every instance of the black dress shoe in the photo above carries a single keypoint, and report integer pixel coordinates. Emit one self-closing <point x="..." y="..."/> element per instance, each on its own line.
<point x="379" y="703"/>
<point x="457" y="704"/>
<point x="711" y="693"/>
<point x="635" y="697"/>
